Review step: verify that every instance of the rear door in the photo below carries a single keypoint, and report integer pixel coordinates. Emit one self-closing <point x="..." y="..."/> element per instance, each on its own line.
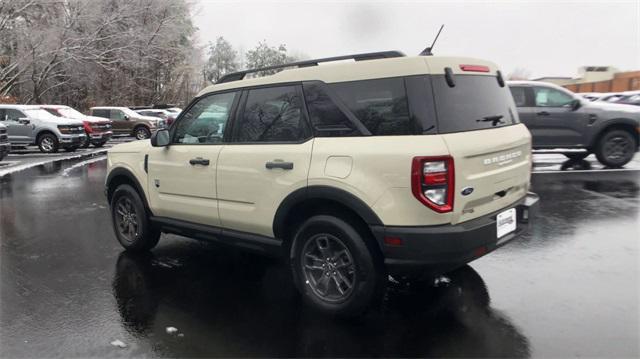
<point x="490" y="148"/>
<point x="556" y="124"/>
<point x="182" y="176"/>
<point x="267" y="159"/>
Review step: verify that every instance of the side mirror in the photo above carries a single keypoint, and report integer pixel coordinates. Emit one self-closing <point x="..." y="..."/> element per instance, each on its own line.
<point x="24" y="121"/>
<point x="575" y="104"/>
<point x="160" y="138"/>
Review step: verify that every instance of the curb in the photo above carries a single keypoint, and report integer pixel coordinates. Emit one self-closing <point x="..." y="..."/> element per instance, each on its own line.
<point x="5" y="170"/>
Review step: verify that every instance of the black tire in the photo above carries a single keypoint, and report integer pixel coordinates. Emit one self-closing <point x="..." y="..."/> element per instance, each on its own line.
<point x="99" y="144"/>
<point x="86" y="142"/>
<point x="48" y="143"/>
<point x="577" y="156"/>
<point x="354" y="262"/>
<point x="615" y="148"/>
<point x="130" y="221"/>
<point x="141" y="133"/>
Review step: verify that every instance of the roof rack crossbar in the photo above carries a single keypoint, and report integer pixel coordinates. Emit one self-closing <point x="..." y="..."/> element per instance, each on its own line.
<point x="236" y="76"/>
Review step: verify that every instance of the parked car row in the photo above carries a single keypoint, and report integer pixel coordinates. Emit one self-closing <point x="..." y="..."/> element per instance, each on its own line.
<point x="626" y="97"/>
<point x="55" y="127"/>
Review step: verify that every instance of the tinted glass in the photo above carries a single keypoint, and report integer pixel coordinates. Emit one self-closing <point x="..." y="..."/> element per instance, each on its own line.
<point x="326" y="118"/>
<point x="272" y="115"/>
<point x="475" y="102"/>
<point x="519" y="96"/>
<point x="117" y="115"/>
<point x="205" y="121"/>
<point x="548" y="97"/>
<point x="380" y="105"/>
<point x="14" y="115"/>
<point x="101" y="113"/>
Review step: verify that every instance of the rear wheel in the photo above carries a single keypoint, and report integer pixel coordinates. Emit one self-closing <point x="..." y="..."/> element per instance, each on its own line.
<point x="616" y="148"/>
<point x="48" y="143"/>
<point x="130" y="221"/>
<point x="142" y="133"/>
<point x="334" y="268"/>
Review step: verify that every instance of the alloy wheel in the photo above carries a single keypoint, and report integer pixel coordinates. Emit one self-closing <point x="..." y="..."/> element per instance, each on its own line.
<point x="47" y="144"/>
<point x="328" y="268"/>
<point x="617" y="148"/>
<point x="127" y="219"/>
<point x="141" y="134"/>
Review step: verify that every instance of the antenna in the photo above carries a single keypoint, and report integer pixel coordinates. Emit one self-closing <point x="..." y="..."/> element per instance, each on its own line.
<point x="427" y="51"/>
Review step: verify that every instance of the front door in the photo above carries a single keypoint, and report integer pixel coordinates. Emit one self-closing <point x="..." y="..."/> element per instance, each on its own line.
<point x="556" y="123"/>
<point x="268" y="158"/>
<point x="19" y="126"/>
<point x="120" y="124"/>
<point x="182" y="176"/>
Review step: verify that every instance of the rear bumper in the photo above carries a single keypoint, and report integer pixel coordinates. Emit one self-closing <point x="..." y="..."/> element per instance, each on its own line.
<point x="438" y="249"/>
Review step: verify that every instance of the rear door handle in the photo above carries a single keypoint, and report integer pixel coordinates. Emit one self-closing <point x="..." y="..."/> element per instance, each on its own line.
<point x="279" y="164"/>
<point x="543" y="113"/>
<point x="199" y="161"/>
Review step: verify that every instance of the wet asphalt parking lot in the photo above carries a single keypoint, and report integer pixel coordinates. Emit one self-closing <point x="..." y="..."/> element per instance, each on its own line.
<point x="568" y="288"/>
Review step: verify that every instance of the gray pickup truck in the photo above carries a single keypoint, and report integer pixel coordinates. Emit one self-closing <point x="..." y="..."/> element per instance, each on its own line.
<point x="558" y="118"/>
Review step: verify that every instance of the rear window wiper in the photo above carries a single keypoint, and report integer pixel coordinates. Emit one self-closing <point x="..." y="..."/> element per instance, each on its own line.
<point x="493" y="119"/>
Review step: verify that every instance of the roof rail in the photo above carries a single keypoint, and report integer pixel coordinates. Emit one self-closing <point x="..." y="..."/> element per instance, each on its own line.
<point x="237" y="76"/>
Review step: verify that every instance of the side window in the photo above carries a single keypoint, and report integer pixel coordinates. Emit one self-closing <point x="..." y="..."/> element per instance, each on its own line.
<point x="381" y="105"/>
<point x="100" y="113"/>
<point x="327" y="120"/>
<point x="117" y="115"/>
<point x="272" y="114"/>
<point x="519" y="96"/>
<point x="206" y="120"/>
<point x="14" y="115"/>
<point x="548" y="97"/>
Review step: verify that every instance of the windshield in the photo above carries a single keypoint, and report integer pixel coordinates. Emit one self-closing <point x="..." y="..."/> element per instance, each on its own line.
<point x="40" y="114"/>
<point x="475" y="102"/>
<point x="69" y="112"/>
<point x="129" y="112"/>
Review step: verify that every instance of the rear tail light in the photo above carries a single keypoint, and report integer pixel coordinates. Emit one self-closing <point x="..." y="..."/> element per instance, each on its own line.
<point x="432" y="182"/>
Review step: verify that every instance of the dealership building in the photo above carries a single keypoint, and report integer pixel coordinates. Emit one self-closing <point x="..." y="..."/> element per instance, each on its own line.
<point x="598" y="79"/>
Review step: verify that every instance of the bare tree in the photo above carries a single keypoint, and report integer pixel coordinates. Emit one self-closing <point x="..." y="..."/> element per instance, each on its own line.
<point x="222" y="59"/>
<point x="264" y="55"/>
<point x="519" y="73"/>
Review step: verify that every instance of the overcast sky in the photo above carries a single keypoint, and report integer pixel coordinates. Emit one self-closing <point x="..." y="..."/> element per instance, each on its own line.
<point x="548" y="38"/>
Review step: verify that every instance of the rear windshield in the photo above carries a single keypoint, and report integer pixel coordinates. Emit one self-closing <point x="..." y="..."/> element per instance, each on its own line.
<point x="476" y="102"/>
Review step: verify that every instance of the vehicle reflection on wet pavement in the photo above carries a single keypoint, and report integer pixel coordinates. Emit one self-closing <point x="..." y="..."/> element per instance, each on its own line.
<point x="569" y="288"/>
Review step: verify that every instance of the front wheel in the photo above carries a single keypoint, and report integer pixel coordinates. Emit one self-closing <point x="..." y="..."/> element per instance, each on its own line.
<point x="142" y="133"/>
<point x="334" y="267"/>
<point x="616" y="148"/>
<point x="130" y="221"/>
<point x="48" y="143"/>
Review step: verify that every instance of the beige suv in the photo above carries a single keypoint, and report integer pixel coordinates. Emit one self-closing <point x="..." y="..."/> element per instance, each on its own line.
<point x="351" y="171"/>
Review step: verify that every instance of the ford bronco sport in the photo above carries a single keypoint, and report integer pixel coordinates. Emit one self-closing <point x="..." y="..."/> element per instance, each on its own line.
<point x="388" y="164"/>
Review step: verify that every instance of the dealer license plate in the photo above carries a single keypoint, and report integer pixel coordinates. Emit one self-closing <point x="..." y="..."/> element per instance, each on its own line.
<point x="506" y="222"/>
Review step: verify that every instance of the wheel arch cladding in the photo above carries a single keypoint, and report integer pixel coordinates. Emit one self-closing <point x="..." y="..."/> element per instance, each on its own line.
<point x="304" y="202"/>
<point x="623" y="124"/>
<point x="120" y="176"/>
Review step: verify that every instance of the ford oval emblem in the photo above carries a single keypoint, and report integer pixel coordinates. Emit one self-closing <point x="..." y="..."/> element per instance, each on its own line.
<point x="467" y="191"/>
